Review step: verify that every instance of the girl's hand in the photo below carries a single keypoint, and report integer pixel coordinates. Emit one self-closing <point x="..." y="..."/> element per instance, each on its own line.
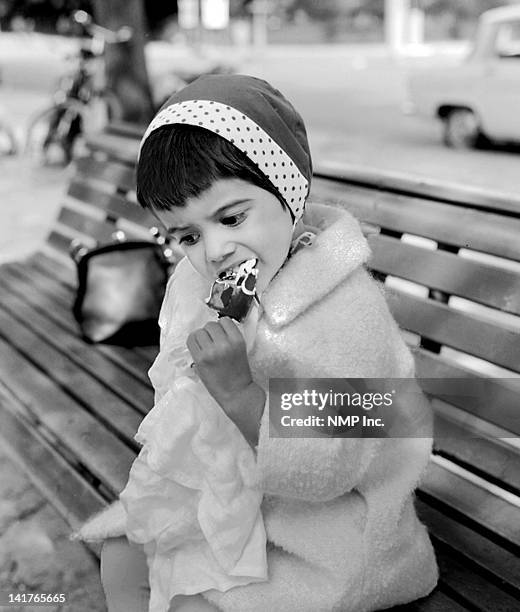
<point x="219" y="352"/>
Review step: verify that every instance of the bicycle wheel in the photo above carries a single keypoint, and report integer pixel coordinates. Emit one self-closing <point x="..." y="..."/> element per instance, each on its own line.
<point x="8" y="143"/>
<point x="51" y="134"/>
<point x="102" y="109"/>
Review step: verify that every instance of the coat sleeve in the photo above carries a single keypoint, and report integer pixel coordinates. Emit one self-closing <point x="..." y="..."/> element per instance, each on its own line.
<point x="312" y="469"/>
<point x="363" y="341"/>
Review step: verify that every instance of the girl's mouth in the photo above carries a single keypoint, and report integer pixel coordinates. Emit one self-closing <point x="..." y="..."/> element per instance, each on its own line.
<point x="234" y="272"/>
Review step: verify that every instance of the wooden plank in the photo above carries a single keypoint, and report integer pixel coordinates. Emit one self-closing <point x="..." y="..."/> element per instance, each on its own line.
<point x="59" y="241"/>
<point x="489" y="513"/>
<point x="479" y="593"/>
<point x="108" y="408"/>
<point x="114" y="205"/>
<point x="504" y="399"/>
<point x="485" y="284"/>
<point x="445" y="223"/>
<point x="458" y="330"/>
<point x="55" y="301"/>
<point x="101" y="231"/>
<point x="409" y="183"/>
<point x="103" y="454"/>
<point x="132" y="391"/>
<point x="114" y="173"/>
<point x="121" y="148"/>
<point x="437" y="601"/>
<point x="480" y="552"/>
<point x="57" y="480"/>
<point x="126" y="129"/>
<point x="488" y="458"/>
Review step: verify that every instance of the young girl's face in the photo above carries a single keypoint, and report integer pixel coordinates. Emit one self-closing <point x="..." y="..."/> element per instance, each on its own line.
<point x="229" y="223"/>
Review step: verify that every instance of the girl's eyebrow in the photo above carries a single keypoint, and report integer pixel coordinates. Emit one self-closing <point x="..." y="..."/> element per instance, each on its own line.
<point x="179" y="228"/>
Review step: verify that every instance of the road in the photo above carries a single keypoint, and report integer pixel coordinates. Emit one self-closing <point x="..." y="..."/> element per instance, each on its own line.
<point x="350" y="97"/>
<point x="353" y="107"/>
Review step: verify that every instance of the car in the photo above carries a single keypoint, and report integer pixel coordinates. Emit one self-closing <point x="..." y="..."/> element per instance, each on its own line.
<point x="477" y="100"/>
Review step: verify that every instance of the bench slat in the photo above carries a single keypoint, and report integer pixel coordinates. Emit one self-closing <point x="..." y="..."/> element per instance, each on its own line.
<point x="74" y="499"/>
<point x="103" y="403"/>
<point x="114" y="205"/>
<point x="104" y="454"/>
<point x="482" y="552"/>
<point x="44" y="324"/>
<point x="54" y="339"/>
<point x="485" y="509"/>
<point x="458" y="330"/>
<point x="55" y="300"/>
<point x="447" y="272"/>
<point x="478" y="592"/>
<point x="478" y="454"/>
<point x="115" y="146"/>
<point x="60" y="241"/>
<point x="437" y="189"/>
<point x="114" y="173"/>
<point x="456" y="226"/>
<point x="504" y="399"/>
<point x="437" y="601"/>
<point x="101" y="231"/>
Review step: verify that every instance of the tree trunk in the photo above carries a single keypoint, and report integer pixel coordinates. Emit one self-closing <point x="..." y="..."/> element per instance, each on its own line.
<point x="125" y="63"/>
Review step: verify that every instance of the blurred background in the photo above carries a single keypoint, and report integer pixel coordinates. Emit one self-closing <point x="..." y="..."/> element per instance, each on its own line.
<point x="373" y="79"/>
<point x="345" y="64"/>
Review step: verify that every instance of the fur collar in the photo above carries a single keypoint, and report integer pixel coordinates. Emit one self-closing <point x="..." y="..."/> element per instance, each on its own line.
<point x="313" y="272"/>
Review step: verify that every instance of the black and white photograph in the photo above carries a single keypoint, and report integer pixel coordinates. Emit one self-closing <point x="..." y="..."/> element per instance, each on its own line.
<point x="260" y="306"/>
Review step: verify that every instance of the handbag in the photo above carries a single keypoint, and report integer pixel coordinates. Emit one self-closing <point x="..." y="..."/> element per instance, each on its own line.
<point x="120" y="290"/>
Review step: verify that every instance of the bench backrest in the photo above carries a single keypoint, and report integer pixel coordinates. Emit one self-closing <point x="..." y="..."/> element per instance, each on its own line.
<point x="449" y="257"/>
<point x="101" y="196"/>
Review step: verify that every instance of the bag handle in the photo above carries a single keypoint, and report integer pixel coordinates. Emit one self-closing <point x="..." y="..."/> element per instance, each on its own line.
<point x="78" y="249"/>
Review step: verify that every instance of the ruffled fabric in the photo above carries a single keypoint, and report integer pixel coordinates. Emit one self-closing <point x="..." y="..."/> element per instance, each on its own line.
<point x="192" y="497"/>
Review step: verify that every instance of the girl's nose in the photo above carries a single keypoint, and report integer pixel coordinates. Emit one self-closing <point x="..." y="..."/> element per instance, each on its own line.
<point x="218" y="249"/>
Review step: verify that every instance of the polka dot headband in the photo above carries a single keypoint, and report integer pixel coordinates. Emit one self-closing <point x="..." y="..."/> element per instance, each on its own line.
<point x="248" y="137"/>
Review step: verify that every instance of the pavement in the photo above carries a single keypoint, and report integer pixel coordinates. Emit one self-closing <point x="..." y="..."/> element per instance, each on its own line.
<point x="36" y="555"/>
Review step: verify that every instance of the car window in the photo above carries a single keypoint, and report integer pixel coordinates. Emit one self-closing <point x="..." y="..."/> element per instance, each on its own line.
<point x="507" y="41"/>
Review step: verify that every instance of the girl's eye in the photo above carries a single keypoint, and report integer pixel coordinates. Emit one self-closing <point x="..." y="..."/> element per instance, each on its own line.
<point x="188" y="239"/>
<point x="234" y="220"/>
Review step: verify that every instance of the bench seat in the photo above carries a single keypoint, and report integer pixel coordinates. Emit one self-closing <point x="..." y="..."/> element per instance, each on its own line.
<point x="69" y="410"/>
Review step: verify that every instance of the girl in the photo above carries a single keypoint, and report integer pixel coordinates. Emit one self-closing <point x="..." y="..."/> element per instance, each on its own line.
<point x="216" y="514"/>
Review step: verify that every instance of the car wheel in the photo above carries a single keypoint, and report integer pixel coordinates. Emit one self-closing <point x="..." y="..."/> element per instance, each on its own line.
<point x="461" y="129"/>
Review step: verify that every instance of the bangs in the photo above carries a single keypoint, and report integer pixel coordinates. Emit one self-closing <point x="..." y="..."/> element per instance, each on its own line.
<point x="178" y="162"/>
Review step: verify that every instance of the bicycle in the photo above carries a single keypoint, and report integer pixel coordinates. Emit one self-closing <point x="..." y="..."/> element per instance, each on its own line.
<point x="82" y="98"/>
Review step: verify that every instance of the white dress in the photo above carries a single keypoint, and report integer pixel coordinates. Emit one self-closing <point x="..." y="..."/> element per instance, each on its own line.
<point x="192" y="497"/>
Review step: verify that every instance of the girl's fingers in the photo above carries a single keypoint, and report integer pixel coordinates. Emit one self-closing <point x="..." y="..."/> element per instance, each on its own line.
<point x="231" y="329"/>
<point x="216" y="333"/>
<point x="197" y="341"/>
<point x="219" y="336"/>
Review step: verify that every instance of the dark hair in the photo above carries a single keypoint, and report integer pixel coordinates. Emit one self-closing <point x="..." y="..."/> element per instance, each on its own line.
<point x="178" y="162"/>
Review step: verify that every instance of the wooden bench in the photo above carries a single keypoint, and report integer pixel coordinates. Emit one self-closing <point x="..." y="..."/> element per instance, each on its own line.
<point x="451" y="258"/>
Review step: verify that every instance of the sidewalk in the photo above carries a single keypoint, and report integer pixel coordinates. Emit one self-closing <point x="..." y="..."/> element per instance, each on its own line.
<point x="30" y="197"/>
<point x="36" y="555"/>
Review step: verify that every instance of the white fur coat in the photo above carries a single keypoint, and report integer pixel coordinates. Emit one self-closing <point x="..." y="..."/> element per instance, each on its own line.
<point x="342" y="530"/>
